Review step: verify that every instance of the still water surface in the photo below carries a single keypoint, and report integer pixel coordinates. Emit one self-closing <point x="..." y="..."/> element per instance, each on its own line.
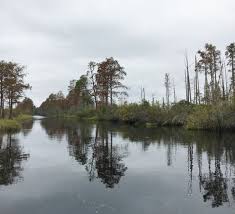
<point x="64" y="166"/>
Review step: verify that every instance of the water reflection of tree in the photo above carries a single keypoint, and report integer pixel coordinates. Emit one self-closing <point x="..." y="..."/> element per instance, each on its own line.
<point x="93" y="147"/>
<point x="78" y="135"/>
<point x="56" y="128"/>
<point x="107" y="158"/>
<point x="210" y="156"/>
<point x="215" y="187"/>
<point x="218" y="149"/>
<point x="27" y="127"/>
<point x="233" y="190"/>
<point x="214" y="181"/>
<point x="11" y="157"/>
<point x="79" y="140"/>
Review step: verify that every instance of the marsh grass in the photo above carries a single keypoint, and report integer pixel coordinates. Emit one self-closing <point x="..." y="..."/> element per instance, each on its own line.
<point x="14" y="124"/>
<point x="9" y="125"/>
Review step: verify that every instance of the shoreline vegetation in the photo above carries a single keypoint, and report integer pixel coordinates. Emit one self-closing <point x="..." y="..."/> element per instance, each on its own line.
<point x="13" y="110"/>
<point x="190" y="116"/>
<point x="14" y="124"/>
<point x="100" y="94"/>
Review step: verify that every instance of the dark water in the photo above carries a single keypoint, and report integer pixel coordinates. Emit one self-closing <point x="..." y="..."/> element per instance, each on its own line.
<point x="56" y="166"/>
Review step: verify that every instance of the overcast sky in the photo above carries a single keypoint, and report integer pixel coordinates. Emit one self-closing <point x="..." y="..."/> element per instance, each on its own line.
<point x="56" y="39"/>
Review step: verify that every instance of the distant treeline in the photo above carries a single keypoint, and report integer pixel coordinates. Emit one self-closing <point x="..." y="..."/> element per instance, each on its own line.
<point x="208" y="104"/>
<point x="98" y="88"/>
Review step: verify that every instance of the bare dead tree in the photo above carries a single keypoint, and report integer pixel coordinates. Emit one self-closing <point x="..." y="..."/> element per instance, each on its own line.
<point x="196" y="83"/>
<point x="167" y="86"/>
<point x="92" y="77"/>
<point x="174" y="92"/>
<point x="187" y="79"/>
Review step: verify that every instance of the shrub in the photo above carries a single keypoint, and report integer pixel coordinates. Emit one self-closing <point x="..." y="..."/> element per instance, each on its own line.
<point x="216" y="117"/>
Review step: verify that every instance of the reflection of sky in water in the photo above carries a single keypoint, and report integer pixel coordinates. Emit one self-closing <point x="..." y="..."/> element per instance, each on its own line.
<point x="157" y="179"/>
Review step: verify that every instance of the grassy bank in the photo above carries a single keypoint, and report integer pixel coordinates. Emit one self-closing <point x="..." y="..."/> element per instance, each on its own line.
<point x="9" y="125"/>
<point x="13" y="124"/>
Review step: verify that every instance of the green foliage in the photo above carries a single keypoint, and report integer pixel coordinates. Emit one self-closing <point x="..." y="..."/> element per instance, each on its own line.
<point x="9" y="125"/>
<point x="144" y="113"/>
<point x="25" y="107"/>
<point x="86" y="113"/>
<point x="15" y="123"/>
<point x="77" y="101"/>
<point x="92" y="96"/>
<point x="107" y="113"/>
<point x="12" y="85"/>
<point x="133" y="113"/>
<point x="212" y="117"/>
<point x="200" y="118"/>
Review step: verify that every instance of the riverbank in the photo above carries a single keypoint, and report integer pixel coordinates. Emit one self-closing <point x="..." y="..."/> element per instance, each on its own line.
<point x="15" y="123"/>
<point x="190" y="116"/>
<point x="193" y="117"/>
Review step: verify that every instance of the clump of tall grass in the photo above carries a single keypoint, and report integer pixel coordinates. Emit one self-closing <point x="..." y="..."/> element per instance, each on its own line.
<point x="15" y="123"/>
<point x="9" y="125"/>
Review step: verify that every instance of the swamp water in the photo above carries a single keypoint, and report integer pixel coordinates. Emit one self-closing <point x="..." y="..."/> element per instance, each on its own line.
<point x="64" y="166"/>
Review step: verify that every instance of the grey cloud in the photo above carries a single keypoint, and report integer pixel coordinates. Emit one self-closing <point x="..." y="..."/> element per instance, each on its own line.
<point x="56" y="39"/>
